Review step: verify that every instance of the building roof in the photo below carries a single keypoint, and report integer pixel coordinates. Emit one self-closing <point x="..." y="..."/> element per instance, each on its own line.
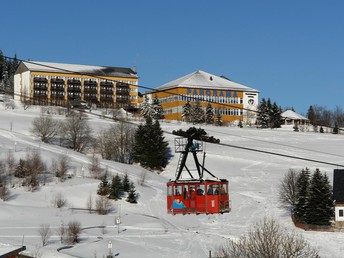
<point x="290" y="114"/>
<point x="338" y="185"/>
<point x="76" y="68"/>
<point x="201" y="79"/>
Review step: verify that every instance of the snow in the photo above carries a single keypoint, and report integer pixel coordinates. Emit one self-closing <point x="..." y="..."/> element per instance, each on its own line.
<point x="146" y="230"/>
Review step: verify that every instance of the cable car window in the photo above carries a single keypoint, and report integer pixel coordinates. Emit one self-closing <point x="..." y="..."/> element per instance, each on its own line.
<point x="169" y="190"/>
<point x="185" y="192"/>
<point x="200" y="190"/>
<point x="223" y="189"/>
<point x="210" y="190"/>
<point x="216" y="189"/>
<point x="192" y="192"/>
<point x="178" y="190"/>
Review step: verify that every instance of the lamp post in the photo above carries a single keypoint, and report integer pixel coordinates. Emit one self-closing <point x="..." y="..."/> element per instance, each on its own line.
<point x="110" y="249"/>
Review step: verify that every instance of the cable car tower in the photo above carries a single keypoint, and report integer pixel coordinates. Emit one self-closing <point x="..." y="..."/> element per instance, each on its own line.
<point x="195" y="194"/>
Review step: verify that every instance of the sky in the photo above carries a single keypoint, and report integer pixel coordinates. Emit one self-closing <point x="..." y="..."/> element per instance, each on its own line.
<point x="291" y="51"/>
<point x="146" y="229"/>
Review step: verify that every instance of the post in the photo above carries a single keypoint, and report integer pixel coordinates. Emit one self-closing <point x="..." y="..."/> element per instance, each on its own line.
<point x="110" y="249"/>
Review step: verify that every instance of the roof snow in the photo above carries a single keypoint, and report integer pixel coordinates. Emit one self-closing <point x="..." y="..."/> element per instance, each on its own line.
<point x="201" y="79"/>
<point x="76" y="68"/>
<point x="290" y="114"/>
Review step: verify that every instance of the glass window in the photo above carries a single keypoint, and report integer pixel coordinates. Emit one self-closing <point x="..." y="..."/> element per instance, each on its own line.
<point x="341" y="213"/>
<point x="169" y="190"/>
<point x="200" y="189"/>
<point x="223" y="189"/>
<point x="178" y="190"/>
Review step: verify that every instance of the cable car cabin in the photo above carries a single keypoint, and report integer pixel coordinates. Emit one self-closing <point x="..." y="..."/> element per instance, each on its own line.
<point x="198" y="197"/>
<point x="191" y="194"/>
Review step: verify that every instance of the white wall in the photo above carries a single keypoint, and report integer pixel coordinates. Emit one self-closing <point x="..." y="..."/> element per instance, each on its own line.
<point x="21" y="83"/>
<point x="337" y="218"/>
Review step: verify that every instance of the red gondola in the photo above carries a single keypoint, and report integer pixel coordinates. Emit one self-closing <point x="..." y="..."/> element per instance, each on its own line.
<point x="195" y="195"/>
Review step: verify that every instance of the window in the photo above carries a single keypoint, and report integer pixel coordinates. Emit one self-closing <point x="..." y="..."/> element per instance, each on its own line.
<point x="341" y="213"/>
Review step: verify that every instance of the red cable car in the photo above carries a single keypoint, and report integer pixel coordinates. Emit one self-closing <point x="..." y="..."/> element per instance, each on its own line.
<point x="195" y="195"/>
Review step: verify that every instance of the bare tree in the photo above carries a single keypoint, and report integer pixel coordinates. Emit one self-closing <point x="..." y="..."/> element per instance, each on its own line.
<point x="143" y="177"/>
<point x="288" y="188"/>
<point x="45" y="127"/>
<point x="35" y="167"/>
<point x="268" y="239"/>
<point x="89" y="204"/>
<point x="60" y="167"/>
<point x="45" y="233"/>
<point x="11" y="163"/>
<point x="103" y="205"/>
<point x="76" y="132"/>
<point x="95" y="170"/>
<point x="59" y="200"/>
<point x="61" y="231"/>
<point x="74" y="229"/>
<point x="116" y="143"/>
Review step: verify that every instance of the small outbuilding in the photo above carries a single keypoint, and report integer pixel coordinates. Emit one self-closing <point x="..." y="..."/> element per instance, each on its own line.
<point x="338" y="196"/>
<point x="290" y="117"/>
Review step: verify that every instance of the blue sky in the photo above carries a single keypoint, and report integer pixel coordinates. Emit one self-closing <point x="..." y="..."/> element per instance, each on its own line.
<point x="291" y="51"/>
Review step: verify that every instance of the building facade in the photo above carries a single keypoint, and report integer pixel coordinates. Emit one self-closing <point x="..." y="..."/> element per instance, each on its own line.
<point x="58" y="83"/>
<point x="231" y="100"/>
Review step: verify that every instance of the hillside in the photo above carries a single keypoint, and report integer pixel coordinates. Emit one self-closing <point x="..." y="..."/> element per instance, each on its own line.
<point x="146" y="230"/>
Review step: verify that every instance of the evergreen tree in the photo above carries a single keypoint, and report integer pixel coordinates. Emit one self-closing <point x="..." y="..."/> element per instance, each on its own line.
<point x="187" y="112"/>
<point x="198" y="113"/>
<point x="132" y="196"/>
<point x="157" y="111"/>
<point x="311" y="115"/>
<point x="319" y="209"/>
<point x="263" y="113"/>
<point x="126" y="183"/>
<point x="146" y="108"/>
<point x="116" y="189"/>
<point x="335" y="129"/>
<point x="276" y="116"/>
<point x="219" y="121"/>
<point x="321" y="129"/>
<point x="150" y="148"/>
<point x="302" y="194"/>
<point x="209" y="114"/>
<point x="103" y="187"/>
<point x="21" y="169"/>
<point x="240" y="124"/>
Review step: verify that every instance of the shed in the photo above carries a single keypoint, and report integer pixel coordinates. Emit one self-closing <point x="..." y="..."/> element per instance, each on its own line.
<point x="290" y="117"/>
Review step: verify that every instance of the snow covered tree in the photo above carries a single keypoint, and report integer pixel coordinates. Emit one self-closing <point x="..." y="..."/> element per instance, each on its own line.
<point x="218" y="119"/>
<point x="209" y="114"/>
<point x="116" y="189"/>
<point x="146" y="108"/>
<point x="157" y="111"/>
<point x="302" y="194"/>
<point x="198" y="113"/>
<point x="187" y="112"/>
<point x="150" y="148"/>
<point x="319" y="208"/>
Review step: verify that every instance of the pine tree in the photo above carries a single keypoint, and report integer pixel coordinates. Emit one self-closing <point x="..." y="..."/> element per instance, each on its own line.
<point x="319" y="209"/>
<point x="219" y="121"/>
<point x="209" y="114"/>
<point x="302" y="194"/>
<point x="311" y="115"/>
<point x="126" y="183"/>
<point x="132" y="196"/>
<point x="116" y="189"/>
<point x="21" y="169"/>
<point x="335" y="129"/>
<point x="321" y="129"/>
<point x="187" y="111"/>
<point x="103" y="187"/>
<point x="146" y="108"/>
<point x="157" y="111"/>
<point x="276" y="116"/>
<point x="150" y="148"/>
<point x="263" y="114"/>
<point x="198" y="113"/>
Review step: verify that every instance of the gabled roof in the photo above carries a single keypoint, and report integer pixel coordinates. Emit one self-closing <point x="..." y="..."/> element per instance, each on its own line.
<point x="201" y="79"/>
<point x="290" y="114"/>
<point x="338" y="185"/>
<point x="76" y="68"/>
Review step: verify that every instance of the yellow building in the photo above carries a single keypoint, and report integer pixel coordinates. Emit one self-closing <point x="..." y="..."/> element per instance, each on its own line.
<point x="232" y="100"/>
<point x="58" y="83"/>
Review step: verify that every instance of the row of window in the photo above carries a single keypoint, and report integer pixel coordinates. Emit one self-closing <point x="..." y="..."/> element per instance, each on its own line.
<point x="40" y="92"/>
<point x="222" y="111"/>
<point x="40" y="84"/>
<point x="80" y="79"/>
<point x="202" y="98"/>
<point x="190" y="191"/>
